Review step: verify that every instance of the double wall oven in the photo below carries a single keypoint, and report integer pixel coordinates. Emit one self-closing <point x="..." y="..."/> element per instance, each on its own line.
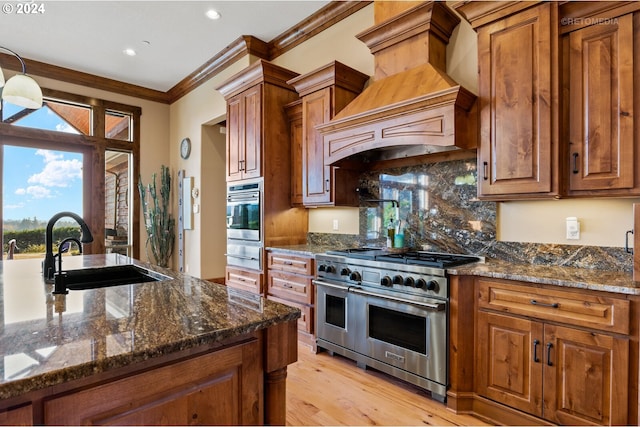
<point x="387" y="311"/>
<point x="244" y="228"/>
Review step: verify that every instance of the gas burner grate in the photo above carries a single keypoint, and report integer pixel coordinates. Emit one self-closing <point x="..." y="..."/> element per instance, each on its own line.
<point x="429" y="259"/>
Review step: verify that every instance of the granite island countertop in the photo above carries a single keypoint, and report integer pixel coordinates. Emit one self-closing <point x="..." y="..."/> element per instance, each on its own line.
<point x="48" y="339"/>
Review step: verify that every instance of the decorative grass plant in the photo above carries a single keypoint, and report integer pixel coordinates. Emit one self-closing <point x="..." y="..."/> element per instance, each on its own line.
<point x="158" y="220"/>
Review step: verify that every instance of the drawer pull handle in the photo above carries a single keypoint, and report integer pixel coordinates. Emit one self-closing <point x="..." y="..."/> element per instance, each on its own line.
<point x="288" y="286"/>
<point x="575" y="163"/>
<point x="544" y="304"/>
<point x="535" y="351"/>
<point x="549" y="346"/>
<point x="485" y="171"/>
<point x="287" y="262"/>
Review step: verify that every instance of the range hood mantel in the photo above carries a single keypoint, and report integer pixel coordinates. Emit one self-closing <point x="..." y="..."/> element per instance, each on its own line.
<point x="412" y="107"/>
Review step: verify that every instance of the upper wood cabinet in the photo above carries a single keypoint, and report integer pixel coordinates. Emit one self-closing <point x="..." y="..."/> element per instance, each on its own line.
<point x="294" y="113"/>
<point x="518" y="98"/>
<point x="257" y="126"/>
<point x="324" y="93"/>
<point x="602" y="148"/>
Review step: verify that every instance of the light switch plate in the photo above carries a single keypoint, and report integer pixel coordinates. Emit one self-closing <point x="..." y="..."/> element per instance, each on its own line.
<point x="573" y="228"/>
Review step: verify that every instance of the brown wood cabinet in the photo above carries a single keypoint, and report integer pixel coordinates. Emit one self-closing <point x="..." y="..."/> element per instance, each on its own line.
<point x="543" y="354"/>
<point x="600" y="80"/>
<point x="243" y="134"/>
<point x="215" y="389"/>
<point x="289" y="281"/>
<point x="20" y="416"/>
<point x="294" y="113"/>
<point x="324" y="93"/>
<point x="518" y="98"/>
<point x="244" y="279"/>
<point x="259" y="126"/>
<point x="257" y="131"/>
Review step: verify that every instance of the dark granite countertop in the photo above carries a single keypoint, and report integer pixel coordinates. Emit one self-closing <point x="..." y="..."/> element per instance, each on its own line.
<point x="47" y="340"/>
<point x="569" y="277"/>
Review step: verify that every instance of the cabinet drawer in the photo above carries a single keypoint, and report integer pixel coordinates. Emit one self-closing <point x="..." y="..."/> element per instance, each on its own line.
<point x="291" y="263"/>
<point x="305" y="322"/>
<point x="21" y="416"/>
<point x="244" y="279"/>
<point x="290" y="286"/>
<point x="582" y="308"/>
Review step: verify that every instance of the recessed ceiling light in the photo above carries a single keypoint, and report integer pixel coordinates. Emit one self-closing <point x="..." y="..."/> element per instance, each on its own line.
<point x="129" y="52"/>
<point x="213" y="14"/>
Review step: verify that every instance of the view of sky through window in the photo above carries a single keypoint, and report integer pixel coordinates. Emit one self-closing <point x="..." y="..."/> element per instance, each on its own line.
<point x="36" y="182"/>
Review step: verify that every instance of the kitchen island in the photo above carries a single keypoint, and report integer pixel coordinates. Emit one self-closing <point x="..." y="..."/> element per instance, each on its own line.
<point x="174" y="351"/>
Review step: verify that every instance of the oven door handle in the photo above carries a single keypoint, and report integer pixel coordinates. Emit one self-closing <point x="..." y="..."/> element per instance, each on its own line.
<point x="241" y="257"/>
<point x="427" y="305"/>
<point x="330" y="285"/>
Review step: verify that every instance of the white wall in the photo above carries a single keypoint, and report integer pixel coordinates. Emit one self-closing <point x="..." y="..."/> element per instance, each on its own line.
<point x="203" y="106"/>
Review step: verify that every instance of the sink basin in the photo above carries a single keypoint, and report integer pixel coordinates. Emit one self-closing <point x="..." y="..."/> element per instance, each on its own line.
<point x="102" y="277"/>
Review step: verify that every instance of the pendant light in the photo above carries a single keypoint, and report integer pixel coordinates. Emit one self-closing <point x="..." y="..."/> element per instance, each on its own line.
<point x="20" y="90"/>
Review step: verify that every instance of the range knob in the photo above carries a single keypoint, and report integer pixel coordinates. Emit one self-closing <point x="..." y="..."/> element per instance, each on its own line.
<point x="420" y="283"/>
<point x="345" y="271"/>
<point x="322" y="267"/>
<point x="330" y="269"/>
<point x="397" y="280"/>
<point x="432" y="285"/>
<point x="355" y="276"/>
<point x="409" y="281"/>
<point x="386" y="281"/>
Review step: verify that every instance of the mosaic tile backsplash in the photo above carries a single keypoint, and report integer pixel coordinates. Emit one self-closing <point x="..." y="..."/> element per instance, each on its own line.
<point x="439" y="211"/>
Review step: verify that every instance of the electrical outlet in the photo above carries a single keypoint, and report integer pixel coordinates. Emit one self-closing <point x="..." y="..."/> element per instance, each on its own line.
<point x="573" y="228"/>
<point x="335" y="225"/>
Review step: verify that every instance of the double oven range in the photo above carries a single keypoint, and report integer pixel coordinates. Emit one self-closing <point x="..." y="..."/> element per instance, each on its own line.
<point x="388" y="311"/>
<point x="244" y="231"/>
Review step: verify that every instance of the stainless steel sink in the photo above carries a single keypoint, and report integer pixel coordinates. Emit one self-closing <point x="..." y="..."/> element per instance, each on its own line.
<point x="102" y="277"/>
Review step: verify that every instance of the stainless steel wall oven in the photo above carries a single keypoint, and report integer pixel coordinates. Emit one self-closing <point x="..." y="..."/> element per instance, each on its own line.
<point x="244" y="225"/>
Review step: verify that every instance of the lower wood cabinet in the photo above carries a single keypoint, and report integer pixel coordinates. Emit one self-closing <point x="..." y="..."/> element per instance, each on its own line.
<point x="244" y="279"/>
<point x="542" y="354"/>
<point x="289" y="281"/>
<point x="561" y="374"/>
<point x="214" y="389"/>
<point x="20" y="416"/>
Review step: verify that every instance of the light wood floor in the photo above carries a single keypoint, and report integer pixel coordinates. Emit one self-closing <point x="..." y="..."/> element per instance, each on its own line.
<point x="325" y="390"/>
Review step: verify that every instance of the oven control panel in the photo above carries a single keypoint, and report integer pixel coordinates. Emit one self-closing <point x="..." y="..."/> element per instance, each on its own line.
<point x="398" y="280"/>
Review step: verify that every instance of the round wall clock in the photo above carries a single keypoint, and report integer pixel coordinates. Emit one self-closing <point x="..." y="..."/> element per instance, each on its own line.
<point x="185" y="148"/>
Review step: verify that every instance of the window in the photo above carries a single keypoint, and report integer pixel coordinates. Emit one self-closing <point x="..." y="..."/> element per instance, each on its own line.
<point x="74" y="131"/>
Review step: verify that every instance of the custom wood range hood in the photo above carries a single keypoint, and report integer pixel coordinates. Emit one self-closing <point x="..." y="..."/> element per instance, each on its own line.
<point x="411" y="107"/>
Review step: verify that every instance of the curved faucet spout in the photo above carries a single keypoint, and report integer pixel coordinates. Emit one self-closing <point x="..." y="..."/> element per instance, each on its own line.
<point x="48" y="265"/>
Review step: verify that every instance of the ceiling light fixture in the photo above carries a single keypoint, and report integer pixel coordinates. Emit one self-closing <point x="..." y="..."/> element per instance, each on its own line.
<point x="20" y="90"/>
<point x="129" y="52"/>
<point x="213" y="14"/>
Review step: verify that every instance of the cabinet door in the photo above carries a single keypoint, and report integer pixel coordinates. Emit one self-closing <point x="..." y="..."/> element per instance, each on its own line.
<point x="294" y="113"/>
<point x="235" y="135"/>
<point x="21" y="416"/>
<point x="316" y="185"/>
<point x="244" y="134"/>
<point x="585" y="376"/>
<point x="601" y="148"/>
<point x="252" y="100"/>
<point x="509" y="361"/>
<point x="518" y="95"/>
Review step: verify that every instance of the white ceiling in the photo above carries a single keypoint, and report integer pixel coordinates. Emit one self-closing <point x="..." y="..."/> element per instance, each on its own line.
<point x="90" y="36"/>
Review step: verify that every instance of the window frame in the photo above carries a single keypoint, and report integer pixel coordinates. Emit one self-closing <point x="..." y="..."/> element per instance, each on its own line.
<point x="93" y="147"/>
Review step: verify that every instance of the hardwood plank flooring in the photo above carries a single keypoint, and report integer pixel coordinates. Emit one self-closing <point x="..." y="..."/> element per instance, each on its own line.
<point x="326" y="390"/>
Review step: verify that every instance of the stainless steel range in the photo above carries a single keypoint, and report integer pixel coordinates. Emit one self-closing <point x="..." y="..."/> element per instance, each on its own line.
<point x="388" y="311"/>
